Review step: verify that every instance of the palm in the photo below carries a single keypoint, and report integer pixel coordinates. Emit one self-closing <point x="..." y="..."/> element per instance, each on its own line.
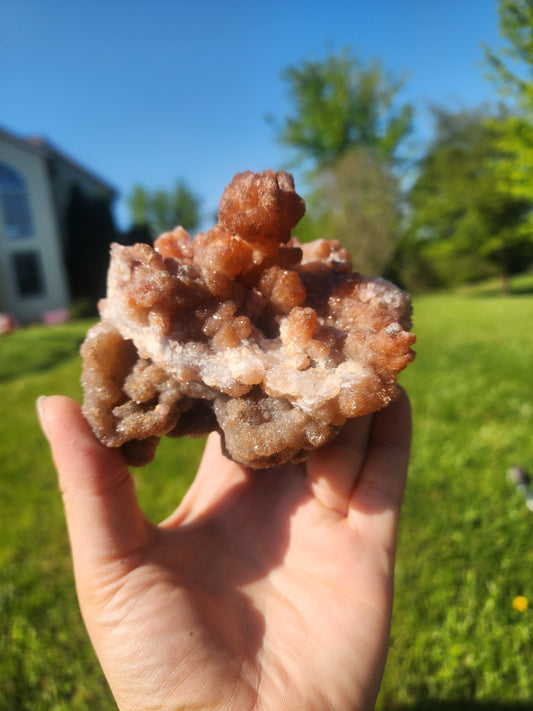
<point x="263" y="590"/>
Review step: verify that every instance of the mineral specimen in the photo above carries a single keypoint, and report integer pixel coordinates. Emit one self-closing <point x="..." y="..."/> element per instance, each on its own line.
<point x="243" y="330"/>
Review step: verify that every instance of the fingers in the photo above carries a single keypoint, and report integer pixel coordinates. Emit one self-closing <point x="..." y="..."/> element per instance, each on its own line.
<point x="377" y="498"/>
<point x="103" y="516"/>
<point x="333" y="469"/>
<point x="362" y="473"/>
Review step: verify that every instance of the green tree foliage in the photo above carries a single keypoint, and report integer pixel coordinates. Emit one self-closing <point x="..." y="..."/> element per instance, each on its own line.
<point x="339" y="103"/>
<point x="346" y="128"/>
<point x="162" y="210"/>
<point x="356" y="202"/>
<point x="457" y="206"/>
<point x="512" y="71"/>
<point x="512" y="64"/>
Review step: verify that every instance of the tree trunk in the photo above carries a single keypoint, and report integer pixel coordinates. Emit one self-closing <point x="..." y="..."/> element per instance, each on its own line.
<point x="504" y="283"/>
<point x="504" y="274"/>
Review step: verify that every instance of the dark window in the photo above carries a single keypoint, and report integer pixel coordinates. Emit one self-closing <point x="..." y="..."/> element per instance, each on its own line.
<point x="28" y="273"/>
<point x="14" y="203"/>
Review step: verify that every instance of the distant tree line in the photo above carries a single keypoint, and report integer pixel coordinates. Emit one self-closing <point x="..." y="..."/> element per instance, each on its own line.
<point x="462" y="209"/>
<point x="161" y="210"/>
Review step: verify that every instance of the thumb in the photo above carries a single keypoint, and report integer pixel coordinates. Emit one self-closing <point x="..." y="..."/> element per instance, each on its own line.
<point x="378" y="495"/>
<point x="104" y="519"/>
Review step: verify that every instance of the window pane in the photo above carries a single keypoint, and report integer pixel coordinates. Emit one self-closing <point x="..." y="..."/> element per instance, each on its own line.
<point x="14" y="203"/>
<point x="10" y="179"/>
<point x="17" y="218"/>
<point x="28" y="273"/>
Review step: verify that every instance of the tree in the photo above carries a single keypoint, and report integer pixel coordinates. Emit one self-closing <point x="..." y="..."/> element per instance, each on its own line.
<point x="512" y="71"/>
<point x="162" y="210"/>
<point x="346" y="129"/>
<point x="340" y="103"/>
<point x="512" y="65"/>
<point x="457" y="206"/>
<point x="356" y="202"/>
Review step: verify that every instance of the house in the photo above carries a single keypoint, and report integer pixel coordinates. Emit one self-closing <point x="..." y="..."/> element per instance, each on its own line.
<point x="55" y="229"/>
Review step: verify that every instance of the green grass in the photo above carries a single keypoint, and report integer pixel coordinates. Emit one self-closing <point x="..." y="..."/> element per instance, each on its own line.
<point x="46" y="662"/>
<point x="466" y="537"/>
<point x="466" y="543"/>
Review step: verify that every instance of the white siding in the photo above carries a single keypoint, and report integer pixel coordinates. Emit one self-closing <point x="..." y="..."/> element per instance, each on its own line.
<point x="45" y="240"/>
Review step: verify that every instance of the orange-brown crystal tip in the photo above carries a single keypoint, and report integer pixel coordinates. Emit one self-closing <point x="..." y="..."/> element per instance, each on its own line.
<point x="259" y="206"/>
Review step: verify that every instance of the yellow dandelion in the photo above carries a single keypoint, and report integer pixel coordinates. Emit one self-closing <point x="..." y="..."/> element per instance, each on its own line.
<point x="520" y="603"/>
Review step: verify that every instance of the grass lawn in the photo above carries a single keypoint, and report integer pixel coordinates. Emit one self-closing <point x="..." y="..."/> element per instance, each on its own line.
<point x="466" y="544"/>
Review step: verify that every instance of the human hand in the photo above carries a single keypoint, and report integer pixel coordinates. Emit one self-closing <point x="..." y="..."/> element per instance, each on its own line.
<point x="265" y="590"/>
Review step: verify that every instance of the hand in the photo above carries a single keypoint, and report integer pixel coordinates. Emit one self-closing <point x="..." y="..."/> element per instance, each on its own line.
<point x="264" y="590"/>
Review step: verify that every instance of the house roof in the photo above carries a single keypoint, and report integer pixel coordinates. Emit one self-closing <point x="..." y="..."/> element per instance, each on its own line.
<point x="51" y="154"/>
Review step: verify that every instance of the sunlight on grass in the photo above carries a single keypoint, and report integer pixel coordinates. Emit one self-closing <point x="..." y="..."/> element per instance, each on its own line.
<point x="465" y="547"/>
<point x="465" y="550"/>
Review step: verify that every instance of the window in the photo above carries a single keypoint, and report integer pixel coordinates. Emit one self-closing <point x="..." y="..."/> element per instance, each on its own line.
<point x="28" y="273"/>
<point x="14" y="203"/>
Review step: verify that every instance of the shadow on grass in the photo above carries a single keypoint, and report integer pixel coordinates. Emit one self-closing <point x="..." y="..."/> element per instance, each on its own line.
<point x="491" y="292"/>
<point x="26" y="366"/>
<point x="522" y="290"/>
<point x="514" y="293"/>
<point x="518" y="285"/>
<point x="465" y="705"/>
<point x="36" y="350"/>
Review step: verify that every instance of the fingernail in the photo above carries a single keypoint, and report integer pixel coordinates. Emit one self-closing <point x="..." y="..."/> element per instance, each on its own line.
<point x="40" y="412"/>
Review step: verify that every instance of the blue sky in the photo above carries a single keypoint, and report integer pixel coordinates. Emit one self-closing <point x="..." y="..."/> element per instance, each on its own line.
<point x="149" y="91"/>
